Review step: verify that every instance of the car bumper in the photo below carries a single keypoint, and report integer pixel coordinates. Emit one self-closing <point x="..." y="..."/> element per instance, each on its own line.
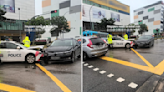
<point x="97" y="53"/>
<point x="58" y="56"/>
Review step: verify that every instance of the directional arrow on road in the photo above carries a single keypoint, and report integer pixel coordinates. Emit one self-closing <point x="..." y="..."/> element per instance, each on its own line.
<point x="10" y="88"/>
<point x="150" y="68"/>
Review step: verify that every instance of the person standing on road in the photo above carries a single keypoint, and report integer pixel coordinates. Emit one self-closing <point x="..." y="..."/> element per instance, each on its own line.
<point x="26" y="42"/>
<point x="109" y="37"/>
<point x="125" y="36"/>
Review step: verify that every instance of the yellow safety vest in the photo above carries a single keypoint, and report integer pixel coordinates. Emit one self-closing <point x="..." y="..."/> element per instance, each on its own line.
<point x="126" y="37"/>
<point x="26" y="42"/>
<point x="109" y="37"/>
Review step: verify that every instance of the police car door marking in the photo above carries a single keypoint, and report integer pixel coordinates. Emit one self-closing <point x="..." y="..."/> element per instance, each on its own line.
<point x="119" y="43"/>
<point x="14" y="55"/>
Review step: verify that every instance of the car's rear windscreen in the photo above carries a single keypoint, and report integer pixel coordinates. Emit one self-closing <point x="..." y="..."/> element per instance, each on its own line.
<point x="97" y="41"/>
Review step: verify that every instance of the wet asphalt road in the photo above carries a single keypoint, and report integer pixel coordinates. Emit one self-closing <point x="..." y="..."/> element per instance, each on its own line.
<point x="95" y="82"/>
<point x="29" y="76"/>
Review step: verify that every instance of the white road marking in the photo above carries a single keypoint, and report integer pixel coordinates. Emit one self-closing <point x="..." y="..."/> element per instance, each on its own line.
<point x="86" y="64"/>
<point x="96" y="69"/>
<point x="90" y="66"/>
<point x="120" y="79"/>
<point x="102" y="72"/>
<point x="133" y="85"/>
<point x="110" y="75"/>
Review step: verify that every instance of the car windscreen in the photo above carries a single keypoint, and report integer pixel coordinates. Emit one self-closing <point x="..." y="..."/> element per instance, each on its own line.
<point x="97" y="41"/>
<point x="62" y="43"/>
<point x="144" y="37"/>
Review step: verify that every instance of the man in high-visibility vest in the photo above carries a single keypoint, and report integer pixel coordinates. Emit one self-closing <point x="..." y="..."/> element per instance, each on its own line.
<point x="125" y="36"/>
<point x="26" y="42"/>
<point x="109" y="37"/>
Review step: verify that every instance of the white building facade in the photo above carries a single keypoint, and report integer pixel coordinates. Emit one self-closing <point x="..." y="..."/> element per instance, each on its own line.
<point x="71" y="9"/>
<point x="94" y="10"/>
<point x="27" y="9"/>
<point x="152" y="16"/>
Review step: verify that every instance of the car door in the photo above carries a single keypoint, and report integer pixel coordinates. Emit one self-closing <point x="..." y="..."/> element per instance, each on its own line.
<point x="14" y="54"/>
<point x="76" y="47"/>
<point x="114" y="41"/>
<point x="3" y="50"/>
<point x="119" y="42"/>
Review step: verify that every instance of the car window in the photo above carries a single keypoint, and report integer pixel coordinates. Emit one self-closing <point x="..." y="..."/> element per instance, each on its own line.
<point x="11" y="46"/>
<point x="114" y="38"/>
<point x="62" y="43"/>
<point x="2" y="45"/>
<point x="84" y="40"/>
<point x="97" y="41"/>
<point x="118" y="38"/>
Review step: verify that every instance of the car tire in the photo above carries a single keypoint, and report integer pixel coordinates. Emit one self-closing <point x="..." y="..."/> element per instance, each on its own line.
<point x="85" y="56"/>
<point x="127" y="46"/>
<point x="30" y="58"/>
<point x="73" y="57"/>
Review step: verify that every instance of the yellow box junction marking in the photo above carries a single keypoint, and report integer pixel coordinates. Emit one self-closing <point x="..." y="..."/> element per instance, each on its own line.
<point x="58" y="82"/>
<point x="150" y="68"/>
<point x="9" y="88"/>
<point x="150" y="65"/>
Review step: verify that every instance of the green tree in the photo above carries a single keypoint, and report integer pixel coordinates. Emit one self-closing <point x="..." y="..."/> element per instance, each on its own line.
<point x="39" y="32"/>
<point x="104" y="23"/>
<point x="2" y="18"/>
<point x="2" y="13"/>
<point x="62" y="24"/>
<point x="143" y="28"/>
<point x="38" y="21"/>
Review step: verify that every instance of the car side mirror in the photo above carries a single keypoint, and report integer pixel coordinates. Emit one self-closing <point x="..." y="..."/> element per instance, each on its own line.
<point x="18" y="47"/>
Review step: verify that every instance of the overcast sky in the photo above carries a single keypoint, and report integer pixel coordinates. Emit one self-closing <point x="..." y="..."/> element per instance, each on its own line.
<point x="134" y="4"/>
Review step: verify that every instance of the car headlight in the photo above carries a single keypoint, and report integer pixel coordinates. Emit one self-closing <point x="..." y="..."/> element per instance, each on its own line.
<point x="67" y="52"/>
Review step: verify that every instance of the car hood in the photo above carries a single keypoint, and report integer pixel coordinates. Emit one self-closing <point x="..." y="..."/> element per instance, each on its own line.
<point x="36" y="47"/>
<point x="142" y="40"/>
<point x="59" y="48"/>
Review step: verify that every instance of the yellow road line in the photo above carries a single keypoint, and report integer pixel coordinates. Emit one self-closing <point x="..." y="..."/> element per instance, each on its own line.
<point x="140" y="67"/>
<point x="58" y="82"/>
<point x="150" y="65"/>
<point x="9" y="88"/>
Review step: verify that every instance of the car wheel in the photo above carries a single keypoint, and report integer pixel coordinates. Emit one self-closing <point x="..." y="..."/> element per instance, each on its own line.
<point x="73" y="57"/>
<point x="85" y="56"/>
<point x="30" y="58"/>
<point x="127" y="46"/>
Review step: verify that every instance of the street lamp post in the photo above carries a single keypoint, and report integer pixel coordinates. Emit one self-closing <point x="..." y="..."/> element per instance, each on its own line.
<point x="90" y="16"/>
<point x="19" y="26"/>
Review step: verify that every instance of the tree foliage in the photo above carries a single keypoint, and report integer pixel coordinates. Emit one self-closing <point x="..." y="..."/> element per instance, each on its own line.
<point x="38" y="21"/>
<point x="62" y="24"/>
<point x="143" y="28"/>
<point x="2" y="13"/>
<point x="104" y="23"/>
<point x="38" y="32"/>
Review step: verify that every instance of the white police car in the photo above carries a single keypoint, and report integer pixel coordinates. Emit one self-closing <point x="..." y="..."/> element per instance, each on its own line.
<point x="121" y="42"/>
<point x="12" y="51"/>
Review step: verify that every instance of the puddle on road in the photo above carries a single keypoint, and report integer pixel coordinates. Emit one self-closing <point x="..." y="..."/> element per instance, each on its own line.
<point x="62" y="72"/>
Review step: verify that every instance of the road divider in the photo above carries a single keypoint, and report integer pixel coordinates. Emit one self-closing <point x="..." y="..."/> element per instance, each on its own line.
<point x="9" y="88"/>
<point x="58" y="82"/>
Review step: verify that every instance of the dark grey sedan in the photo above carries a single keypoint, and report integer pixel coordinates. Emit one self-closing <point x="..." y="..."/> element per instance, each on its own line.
<point x="144" y="41"/>
<point x="63" y="49"/>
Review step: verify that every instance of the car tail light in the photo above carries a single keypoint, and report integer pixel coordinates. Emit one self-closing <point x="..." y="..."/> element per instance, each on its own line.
<point x="104" y="40"/>
<point x="90" y="44"/>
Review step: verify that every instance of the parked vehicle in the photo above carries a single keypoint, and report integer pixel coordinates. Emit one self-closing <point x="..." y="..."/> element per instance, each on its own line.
<point x="63" y="49"/>
<point x="42" y="41"/>
<point x="94" y="47"/>
<point x="144" y="41"/>
<point x="14" y="52"/>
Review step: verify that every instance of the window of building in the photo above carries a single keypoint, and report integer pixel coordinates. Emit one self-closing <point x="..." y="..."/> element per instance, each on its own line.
<point x="151" y="20"/>
<point x="146" y="17"/>
<point x="141" y="12"/>
<point x="157" y="11"/>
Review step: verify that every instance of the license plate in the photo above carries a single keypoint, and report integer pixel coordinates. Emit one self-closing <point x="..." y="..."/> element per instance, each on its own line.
<point x="55" y="58"/>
